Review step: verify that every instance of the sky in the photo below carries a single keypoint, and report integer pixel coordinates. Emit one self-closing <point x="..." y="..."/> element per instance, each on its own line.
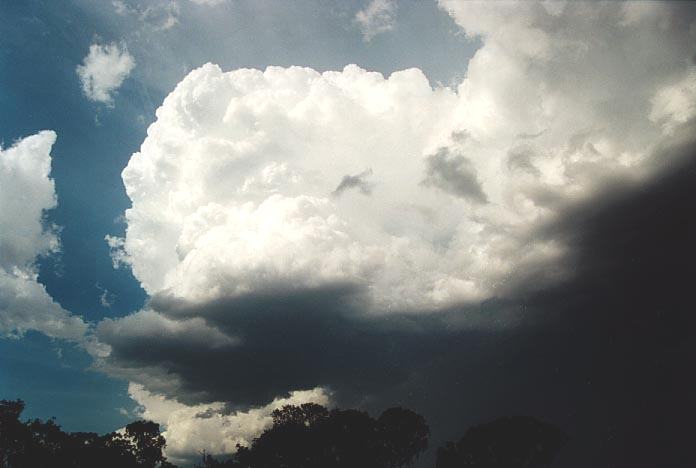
<point x="210" y="208"/>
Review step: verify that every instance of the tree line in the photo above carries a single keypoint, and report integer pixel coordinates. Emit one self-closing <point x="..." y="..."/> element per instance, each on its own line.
<point x="305" y="436"/>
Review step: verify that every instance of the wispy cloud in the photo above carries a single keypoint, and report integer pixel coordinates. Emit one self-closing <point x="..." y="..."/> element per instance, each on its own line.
<point x="159" y="15"/>
<point x="106" y="298"/>
<point x="103" y="71"/>
<point x="377" y="17"/>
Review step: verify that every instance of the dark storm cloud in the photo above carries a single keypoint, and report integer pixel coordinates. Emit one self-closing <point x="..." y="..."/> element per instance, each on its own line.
<point x="607" y="354"/>
<point x="454" y="174"/>
<point x="610" y="358"/>
<point x="293" y="340"/>
<point x="358" y="181"/>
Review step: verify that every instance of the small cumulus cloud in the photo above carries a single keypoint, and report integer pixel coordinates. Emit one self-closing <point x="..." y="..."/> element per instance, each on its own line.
<point x="103" y="71"/>
<point x="378" y="17"/>
<point x="116" y="250"/>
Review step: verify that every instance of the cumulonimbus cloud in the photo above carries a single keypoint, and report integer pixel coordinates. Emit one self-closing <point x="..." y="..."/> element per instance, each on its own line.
<point x="234" y="209"/>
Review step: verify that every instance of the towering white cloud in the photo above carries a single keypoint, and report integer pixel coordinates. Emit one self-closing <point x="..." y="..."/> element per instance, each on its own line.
<point x="235" y="188"/>
<point x="103" y="70"/>
<point x="26" y="193"/>
<point x="379" y="16"/>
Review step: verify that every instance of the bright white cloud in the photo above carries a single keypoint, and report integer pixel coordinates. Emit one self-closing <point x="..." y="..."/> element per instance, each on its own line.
<point x="103" y="71"/>
<point x="377" y="17"/>
<point x="211" y="427"/>
<point x="234" y="188"/>
<point x="26" y="193"/>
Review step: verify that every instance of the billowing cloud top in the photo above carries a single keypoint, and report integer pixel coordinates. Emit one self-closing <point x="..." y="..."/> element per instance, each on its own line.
<point x="232" y="187"/>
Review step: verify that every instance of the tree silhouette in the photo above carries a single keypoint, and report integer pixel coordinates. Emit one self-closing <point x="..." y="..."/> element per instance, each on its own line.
<point x="148" y="442"/>
<point x="310" y="436"/>
<point x="305" y="436"/>
<point x="12" y="433"/>
<point x="405" y="435"/>
<point x="512" y="442"/>
<point x="37" y="443"/>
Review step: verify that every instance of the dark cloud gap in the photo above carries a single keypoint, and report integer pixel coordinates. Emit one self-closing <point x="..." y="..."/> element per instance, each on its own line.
<point x="358" y="181"/>
<point x="521" y="158"/>
<point x="607" y="355"/>
<point x="453" y="173"/>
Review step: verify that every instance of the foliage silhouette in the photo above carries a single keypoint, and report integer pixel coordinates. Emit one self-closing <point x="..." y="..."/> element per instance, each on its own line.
<point x="306" y="436"/>
<point x="310" y="436"/>
<point x="148" y="443"/>
<point x="37" y="443"/>
<point x="513" y="442"/>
